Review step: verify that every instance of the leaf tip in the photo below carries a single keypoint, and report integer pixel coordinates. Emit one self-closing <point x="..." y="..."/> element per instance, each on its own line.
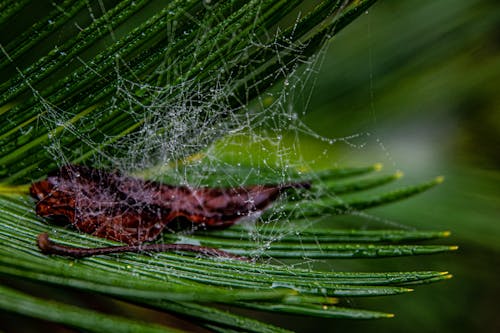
<point x="446" y="233"/>
<point x="389" y="315"/>
<point x="439" y="179"/>
<point x="398" y="174"/>
<point x="378" y="166"/>
<point x="453" y="247"/>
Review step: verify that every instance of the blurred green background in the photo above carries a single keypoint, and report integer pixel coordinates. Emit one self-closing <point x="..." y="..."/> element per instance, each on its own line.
<point x="419" y="83"/>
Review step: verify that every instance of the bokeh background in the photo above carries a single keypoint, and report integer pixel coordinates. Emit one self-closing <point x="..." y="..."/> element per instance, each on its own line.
<point x="419" y="82"/>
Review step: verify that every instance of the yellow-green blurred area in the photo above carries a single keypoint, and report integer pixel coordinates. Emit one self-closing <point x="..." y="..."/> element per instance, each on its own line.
<point x="419" y="83"/>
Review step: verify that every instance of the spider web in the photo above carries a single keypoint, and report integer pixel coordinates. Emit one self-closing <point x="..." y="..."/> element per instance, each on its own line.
<point x="193" y="136"/>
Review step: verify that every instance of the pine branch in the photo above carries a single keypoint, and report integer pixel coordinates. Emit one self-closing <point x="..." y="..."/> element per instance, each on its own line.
<point x="103" y="84"/>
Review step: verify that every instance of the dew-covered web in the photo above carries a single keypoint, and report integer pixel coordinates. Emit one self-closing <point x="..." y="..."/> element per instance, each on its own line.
<point x="191" y="133"/>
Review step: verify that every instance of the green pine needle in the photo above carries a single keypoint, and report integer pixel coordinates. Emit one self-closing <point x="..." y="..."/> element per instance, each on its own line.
<point x="174" y="52"/>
